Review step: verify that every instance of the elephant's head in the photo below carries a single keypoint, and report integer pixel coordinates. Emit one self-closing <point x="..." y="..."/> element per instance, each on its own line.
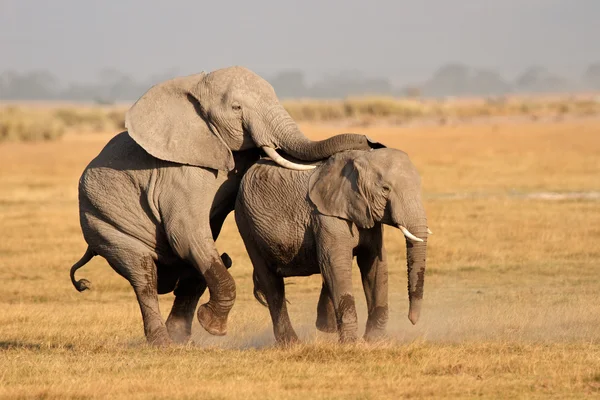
<point x="199" y="119"/>
<point x="367" y="187"/>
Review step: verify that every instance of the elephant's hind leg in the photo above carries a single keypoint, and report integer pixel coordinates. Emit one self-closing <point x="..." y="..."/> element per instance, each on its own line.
<point x="143" y="279"/>
<point x="273" y="288"/>
<point x="187" y="294"/>
<point x="145" y="286"/>
<point x="132" y="260"/>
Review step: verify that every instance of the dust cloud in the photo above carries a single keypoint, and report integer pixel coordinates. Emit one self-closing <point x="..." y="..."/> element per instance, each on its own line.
<point x="449" y="315"/>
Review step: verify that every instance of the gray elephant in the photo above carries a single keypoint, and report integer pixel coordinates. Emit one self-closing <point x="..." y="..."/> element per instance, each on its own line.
<point x="153" y="201"/>
<point x="299" y="223"/>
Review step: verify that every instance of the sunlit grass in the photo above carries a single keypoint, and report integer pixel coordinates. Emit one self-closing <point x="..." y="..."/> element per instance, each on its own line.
<point x="511" y="293"/>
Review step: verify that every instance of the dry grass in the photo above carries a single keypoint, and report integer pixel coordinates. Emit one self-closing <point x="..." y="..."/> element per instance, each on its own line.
<point x="512" y="285"/>
<point x="30" y="122"/>
<point x="397" y="110"/>
<point x="360" y="111"/>
<point x="28" y="125"/>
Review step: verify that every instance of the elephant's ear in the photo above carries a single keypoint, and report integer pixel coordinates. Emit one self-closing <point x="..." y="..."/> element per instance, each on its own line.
<point x="166" y="121"/>
<point x="337" y="188"/>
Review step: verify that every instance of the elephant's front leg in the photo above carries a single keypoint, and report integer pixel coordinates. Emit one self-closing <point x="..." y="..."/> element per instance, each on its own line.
<point x="185" y="211"/>
<point x="374" y="274"/>
<point x="335" y="261"/>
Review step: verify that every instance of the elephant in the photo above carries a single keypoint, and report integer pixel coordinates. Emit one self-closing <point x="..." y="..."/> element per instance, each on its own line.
<point x="300" y="223"/>
<point x="153" y="201"/>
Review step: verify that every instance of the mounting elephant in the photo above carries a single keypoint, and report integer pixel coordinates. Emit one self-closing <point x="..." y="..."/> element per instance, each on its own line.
<point x="153" y="201"/>
<point x="299" y="223"/>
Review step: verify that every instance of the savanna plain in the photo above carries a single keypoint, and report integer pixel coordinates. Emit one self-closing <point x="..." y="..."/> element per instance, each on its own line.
<point x="512" y="287"/>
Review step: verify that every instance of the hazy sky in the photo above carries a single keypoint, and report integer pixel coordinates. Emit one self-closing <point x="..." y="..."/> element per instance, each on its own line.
<point x="405" y="40"/>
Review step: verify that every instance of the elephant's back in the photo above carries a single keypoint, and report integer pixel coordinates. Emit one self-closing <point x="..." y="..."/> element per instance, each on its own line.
<point x="120" y="169"/>
<point x="265" y="181"/>
<point x="272" y="206"/>
<point x="123" y="153"/>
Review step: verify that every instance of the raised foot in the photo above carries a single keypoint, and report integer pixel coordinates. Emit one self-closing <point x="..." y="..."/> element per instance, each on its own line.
<point x="211" y="322"/>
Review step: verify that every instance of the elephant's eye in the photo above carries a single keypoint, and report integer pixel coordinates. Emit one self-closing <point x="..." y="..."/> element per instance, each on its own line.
<point x="236" y="106"/>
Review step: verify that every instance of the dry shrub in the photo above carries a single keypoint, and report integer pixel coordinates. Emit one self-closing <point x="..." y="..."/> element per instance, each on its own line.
<point x="406" y="109"/>
<point x="384" y="107"/>
<point x="315" y="110"/>
<point x="91" y="119"/>
<point x="17" y="124"/>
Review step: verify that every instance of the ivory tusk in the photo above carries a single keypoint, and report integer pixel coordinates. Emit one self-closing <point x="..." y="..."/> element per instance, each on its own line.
<point x="273" y="155"/>
<point x="409" y="235"/>
<point x="429" y="231"/>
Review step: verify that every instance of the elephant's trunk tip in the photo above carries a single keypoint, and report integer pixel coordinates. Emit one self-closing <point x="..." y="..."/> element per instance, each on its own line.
<point x="415" y="311"/>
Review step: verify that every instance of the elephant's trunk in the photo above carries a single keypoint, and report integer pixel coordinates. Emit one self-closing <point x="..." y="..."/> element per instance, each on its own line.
<point x="416" y="261"/>
<point x="289" y="137"/>
<point x="416" y="258"/>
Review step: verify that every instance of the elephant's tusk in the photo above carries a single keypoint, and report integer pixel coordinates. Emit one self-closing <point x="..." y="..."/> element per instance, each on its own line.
<point x="429" y="231"/>
<point x="283" y="162"/>
<point x="409" y="235"/>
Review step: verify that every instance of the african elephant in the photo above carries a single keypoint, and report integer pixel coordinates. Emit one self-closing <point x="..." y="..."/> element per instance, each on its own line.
<point x="299" y="223"/>
<point x="153" y="201"/>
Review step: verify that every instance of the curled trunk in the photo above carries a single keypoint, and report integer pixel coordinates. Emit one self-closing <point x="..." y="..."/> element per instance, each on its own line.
<point x="277" y="128"/>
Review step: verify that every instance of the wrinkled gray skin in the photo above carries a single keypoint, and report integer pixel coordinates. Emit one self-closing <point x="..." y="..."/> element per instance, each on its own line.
<point x="153" y="201"/>
<point x="299" y="223"/>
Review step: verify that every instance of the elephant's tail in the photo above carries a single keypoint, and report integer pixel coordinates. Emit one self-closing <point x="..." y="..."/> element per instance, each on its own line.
<point x="259" y="295"/>
<point x="82" y="284"/>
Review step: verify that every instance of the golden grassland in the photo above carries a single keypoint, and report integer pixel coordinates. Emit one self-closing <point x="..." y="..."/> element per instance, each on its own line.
<point x="511" y="296"/>
<point x="49" y="121"/>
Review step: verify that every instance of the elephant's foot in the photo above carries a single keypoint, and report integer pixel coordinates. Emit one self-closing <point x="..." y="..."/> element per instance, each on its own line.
<point x="179" y="330"/>
<point x="347" y="322"/>
<point x="159" y="338"/>
<point x="326" y="322"/>
<point x="287" y="339"/>
<point x="376" y="324"/>
<point x="213" y="322"/>
<point x="348" y="337"/>
<point x="375" y="335"/>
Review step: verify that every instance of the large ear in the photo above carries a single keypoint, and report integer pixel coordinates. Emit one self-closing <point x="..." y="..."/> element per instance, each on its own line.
<point x="337" y="188"/>
<point x="166" y="121"/>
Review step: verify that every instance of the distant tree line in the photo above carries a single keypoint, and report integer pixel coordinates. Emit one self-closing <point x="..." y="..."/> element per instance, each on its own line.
<point x="450" y="80"/>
